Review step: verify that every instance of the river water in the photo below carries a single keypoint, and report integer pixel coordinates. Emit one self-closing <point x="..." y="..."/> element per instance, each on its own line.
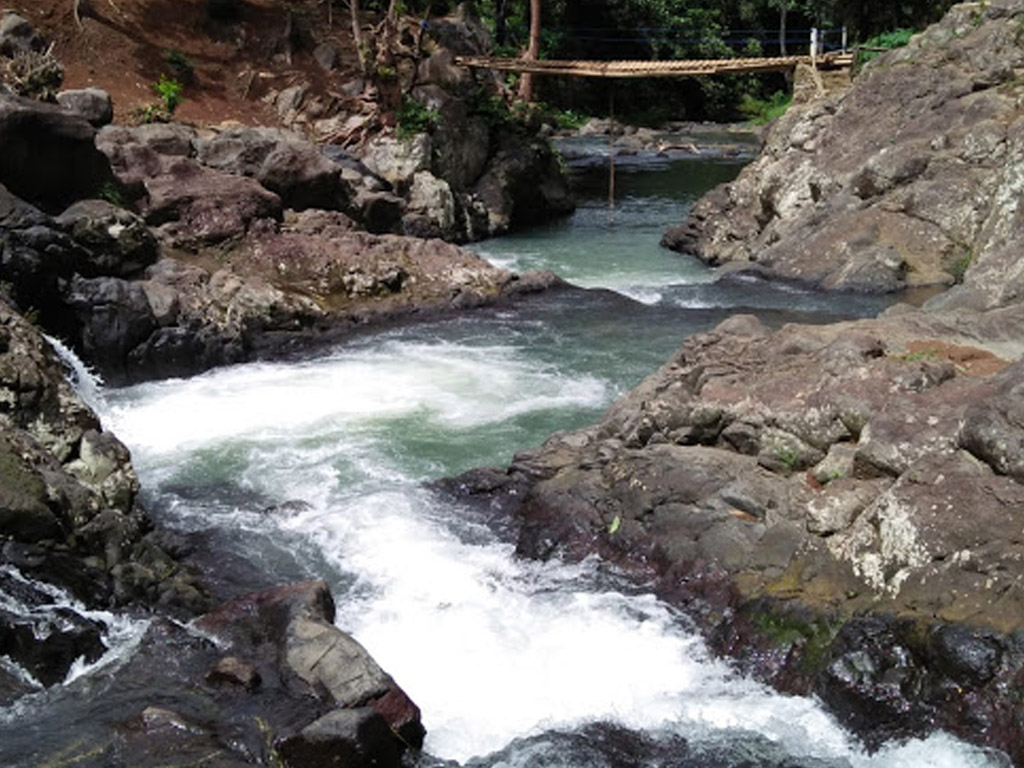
<point x="318" y="469"/>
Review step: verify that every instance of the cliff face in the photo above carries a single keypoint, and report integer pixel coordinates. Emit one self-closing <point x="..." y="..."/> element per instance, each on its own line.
<point x="909" y="178"/>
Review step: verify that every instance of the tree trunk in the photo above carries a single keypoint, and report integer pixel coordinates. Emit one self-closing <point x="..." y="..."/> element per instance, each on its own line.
<point x="500" y="24"/>
<point x="532" y="52"/>
<point x="357" y="36"/>
<point x="782" y="27"/>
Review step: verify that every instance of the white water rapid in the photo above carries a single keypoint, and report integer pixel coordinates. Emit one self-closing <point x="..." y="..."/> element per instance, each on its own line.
<point x="492" y="648"/>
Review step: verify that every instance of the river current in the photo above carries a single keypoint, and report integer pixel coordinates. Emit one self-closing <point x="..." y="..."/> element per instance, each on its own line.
<point x="320" y="468"/>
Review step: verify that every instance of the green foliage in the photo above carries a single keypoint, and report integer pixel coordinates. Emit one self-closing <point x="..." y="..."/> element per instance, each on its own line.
<point x="415" y="117"/>
<point x="960" y="266"/>
<point x="763" y="111"/>
<point x="929" y="355"/>
<point x="169" y="90"/>
<point x="613" y="527"/>
<point x="897" y="38"/>
<point x="111" y="192"/>
<point x="180" y="65"/>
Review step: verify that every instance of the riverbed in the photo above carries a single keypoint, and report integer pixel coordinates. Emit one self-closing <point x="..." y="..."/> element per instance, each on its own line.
<point x="320" y="468"/>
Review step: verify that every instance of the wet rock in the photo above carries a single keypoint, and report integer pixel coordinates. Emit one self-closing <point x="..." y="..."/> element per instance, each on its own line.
<point x="234" y="671"/>
<point x="351" y="737"/>
<point x="316" y="659"/>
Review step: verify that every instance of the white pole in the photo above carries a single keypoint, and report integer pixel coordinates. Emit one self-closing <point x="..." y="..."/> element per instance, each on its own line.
<point x="844" y="38"/>
<point x="814" y="43"/>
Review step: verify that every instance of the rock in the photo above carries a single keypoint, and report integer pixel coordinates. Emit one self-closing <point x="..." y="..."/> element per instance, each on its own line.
<point x="118" y="241"/>
<point x="828" y="505"/>
<point x="94" y="104"/>
<point x="113" y="317"/>
<point x="326" y="55"/>
<point x="49" y="157"/>
<point x="398" y="161"/>
<point x="523" y="184"/>
<point x="902" y="180"/>
<point x="303" y="178"/>
<point x="234" y="671"/>
<point x="192" y="206"/>
<point x="359" y="738"/>
<point x="17" y="37"/>
<point x="48" y="644"/>
<point x="370" y="715"/>
<point x="993" y="429"/>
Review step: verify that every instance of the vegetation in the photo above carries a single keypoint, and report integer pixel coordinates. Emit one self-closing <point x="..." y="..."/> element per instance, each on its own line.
<point x="415" y="117"/>
<point x="169" y="90"/>
<point x="33" y="75"/>
<point x="180" y="65"/>
<point x="896" y="38"/>
<point x="763" y="111"/>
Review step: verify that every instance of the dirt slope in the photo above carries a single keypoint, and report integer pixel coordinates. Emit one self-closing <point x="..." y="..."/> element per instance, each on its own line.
<point x="122" y="46"/>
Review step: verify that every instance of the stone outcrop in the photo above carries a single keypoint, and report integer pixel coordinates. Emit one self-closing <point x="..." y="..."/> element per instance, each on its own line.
<point x="264" y="679"/>
<point x="834" y="505"/>
<point x="243" y="243"/>
<point x="69" y="515"/>
<point x="909" y="178"/>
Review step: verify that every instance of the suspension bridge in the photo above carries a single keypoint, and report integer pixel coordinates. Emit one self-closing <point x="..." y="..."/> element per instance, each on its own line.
<point x="677" y="68"/>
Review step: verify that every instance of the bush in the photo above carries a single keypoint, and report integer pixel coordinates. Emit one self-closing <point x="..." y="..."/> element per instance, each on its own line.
<point x="762" y="111"/>
<point x="415" y="117"/>
<point x="169" y="90"/>
<point x="897" y="38"/>
<point x="33" y="75"/>
<point x="180" y="65"/>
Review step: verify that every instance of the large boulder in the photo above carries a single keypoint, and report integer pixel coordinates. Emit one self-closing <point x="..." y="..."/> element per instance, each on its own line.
<point x="49" y="158"/>
<point x="192" y="206"/>
<point x="289" y="634"/>
<point x="783" y="485"/>
<point x="908" y="178"/>
<point x="94" y="104"/>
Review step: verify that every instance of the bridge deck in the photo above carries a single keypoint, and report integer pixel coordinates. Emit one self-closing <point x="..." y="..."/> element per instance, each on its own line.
<point x="689" y="68"/>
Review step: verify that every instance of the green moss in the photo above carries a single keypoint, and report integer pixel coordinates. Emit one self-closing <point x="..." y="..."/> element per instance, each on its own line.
<point x="810" y="636"/>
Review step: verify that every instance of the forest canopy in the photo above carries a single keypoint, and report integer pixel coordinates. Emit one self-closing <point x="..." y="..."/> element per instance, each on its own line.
<point x="679" y="29"/>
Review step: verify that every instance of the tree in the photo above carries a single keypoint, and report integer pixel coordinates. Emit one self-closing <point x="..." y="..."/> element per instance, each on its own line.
<point x="532" y="51"/>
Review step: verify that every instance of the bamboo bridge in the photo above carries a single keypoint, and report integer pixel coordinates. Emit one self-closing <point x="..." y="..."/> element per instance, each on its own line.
<point x="682" y="68"/>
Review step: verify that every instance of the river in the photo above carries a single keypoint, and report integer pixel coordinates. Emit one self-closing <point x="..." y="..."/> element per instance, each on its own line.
<point x="319" y="468"/>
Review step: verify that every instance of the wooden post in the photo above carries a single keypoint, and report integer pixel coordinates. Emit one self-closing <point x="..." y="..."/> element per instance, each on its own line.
<point x="611" y="155"/>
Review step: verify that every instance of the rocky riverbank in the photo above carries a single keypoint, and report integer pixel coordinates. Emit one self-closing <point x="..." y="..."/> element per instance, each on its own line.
<point x="164" y="249"/>
<point x="909" y="178"/>
<point x="837" y="506"/>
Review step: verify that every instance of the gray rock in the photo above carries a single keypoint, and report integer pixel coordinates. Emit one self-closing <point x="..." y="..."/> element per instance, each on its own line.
<point x="118" y="241"/>
<point x="356" y="738"/>
<point x="94" y="104"/>
<point x="17" y="37"/>
<point x="326" y="55"/>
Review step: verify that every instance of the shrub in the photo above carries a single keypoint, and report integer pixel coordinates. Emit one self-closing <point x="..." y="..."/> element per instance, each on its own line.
<point x="169" y="90"/>
<point x="33" y="75"/>
<point x="415" y="117"/>
<point x="897" y="38"/>
<point x="180" y="65"/>
<point x="762" y="111"/>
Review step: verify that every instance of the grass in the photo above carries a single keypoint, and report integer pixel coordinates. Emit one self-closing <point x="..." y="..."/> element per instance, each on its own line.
<point x="763" y="111"/>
